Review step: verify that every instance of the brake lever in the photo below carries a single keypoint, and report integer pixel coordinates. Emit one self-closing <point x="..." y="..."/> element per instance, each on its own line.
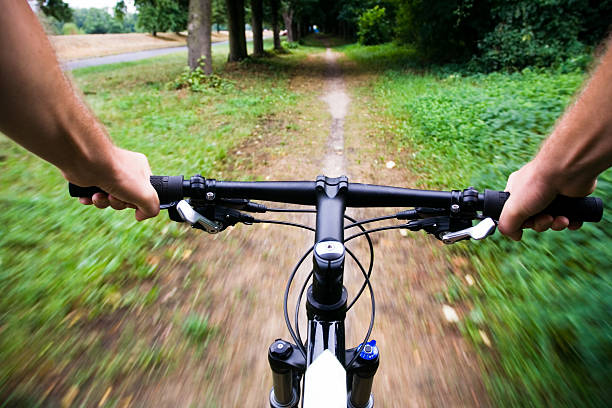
<point x="479" y="231"/>
<point x="197" y="220"/>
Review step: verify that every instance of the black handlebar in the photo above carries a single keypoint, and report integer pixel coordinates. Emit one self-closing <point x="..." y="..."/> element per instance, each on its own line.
<point x="174" y="188"/>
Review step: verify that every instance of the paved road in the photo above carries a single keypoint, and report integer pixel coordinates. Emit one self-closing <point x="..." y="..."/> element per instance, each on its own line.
<point x="128" y="56"/>
<point x="113" y="59"/>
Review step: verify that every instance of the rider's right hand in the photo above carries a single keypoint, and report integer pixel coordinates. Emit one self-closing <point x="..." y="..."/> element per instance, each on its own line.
<point x="126" y="179"/>
<point x="531" y="190"/>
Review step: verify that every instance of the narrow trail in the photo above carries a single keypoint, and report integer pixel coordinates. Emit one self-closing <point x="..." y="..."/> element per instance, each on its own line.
<point x="338" y="101"/>
<point x="242" y="273"/>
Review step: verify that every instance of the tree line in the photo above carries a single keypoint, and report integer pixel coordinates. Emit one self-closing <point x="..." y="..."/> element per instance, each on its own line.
<point x="492" y="34"/>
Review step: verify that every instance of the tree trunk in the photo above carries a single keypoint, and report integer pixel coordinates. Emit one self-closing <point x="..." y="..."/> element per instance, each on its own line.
<point x="199" y="33"/>
<point x="288" y="18"/>
<point x="257" y="21"/>
<point x="274" y="5"/>
<point x="237" y="36"/>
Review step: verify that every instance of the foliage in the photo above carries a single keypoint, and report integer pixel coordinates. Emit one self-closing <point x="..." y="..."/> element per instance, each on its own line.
<point x="56" y="8"/>
<point x="162" y="15"/>
<point x="545" y="302"/>
<point x="71" y="29"/>
<point x="219" y="14"/>
<point x="541" y="33"/>
<point x="374" y="27"/>
<point x="100" y="21"/>
<point x="502" y="34"/>
<point x="197" y="81"/>
<point x="446" y="31"/>
<point x="290" y="45"/>
<point x="51" y="25"/>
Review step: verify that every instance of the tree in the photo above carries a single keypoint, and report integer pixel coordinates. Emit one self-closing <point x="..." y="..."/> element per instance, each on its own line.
<point x="219" y="13"/>
<point x="56" y="9"/>
<point x="237" y="36"/>
<point x="374" y="27"/>
<point x="288" y="13"/>
<point x="199" y="34"/>
<point x="257" y="25"/>
<point x="274" y="17"/>
<point x="162" y="15"/>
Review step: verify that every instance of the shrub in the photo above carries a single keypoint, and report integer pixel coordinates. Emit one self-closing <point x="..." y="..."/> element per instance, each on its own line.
<point x="197" y="81"/>
<point x="71" y="29"/>
<point x="374" y="28"/>
<point x="289" y="45"/>
<point x="533" y="33"/>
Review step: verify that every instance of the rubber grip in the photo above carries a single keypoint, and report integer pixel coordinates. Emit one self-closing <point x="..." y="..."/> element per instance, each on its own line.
<point x="169" y="189"/>
<point x="581" y="209"/>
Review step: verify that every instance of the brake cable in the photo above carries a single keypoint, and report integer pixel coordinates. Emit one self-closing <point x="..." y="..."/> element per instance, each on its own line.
<point x="389" y="227"/>
<point x="291" y="224"/>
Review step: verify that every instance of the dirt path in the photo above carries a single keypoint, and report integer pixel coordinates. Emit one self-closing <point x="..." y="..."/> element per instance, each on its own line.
<point x="338" y="101"/>
<point x="237" y="278"/>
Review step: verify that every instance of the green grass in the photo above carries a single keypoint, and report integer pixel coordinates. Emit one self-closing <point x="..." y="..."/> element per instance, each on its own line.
<point x="546" y="303"/>
<point x="63" y="266"/>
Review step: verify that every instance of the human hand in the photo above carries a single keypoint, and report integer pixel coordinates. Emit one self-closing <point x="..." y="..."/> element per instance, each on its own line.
<point x="126" y="180"/>
<point x="531" y="191"/>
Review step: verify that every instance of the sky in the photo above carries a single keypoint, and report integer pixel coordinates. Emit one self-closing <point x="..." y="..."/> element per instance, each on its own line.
<point x="100" y="4"/>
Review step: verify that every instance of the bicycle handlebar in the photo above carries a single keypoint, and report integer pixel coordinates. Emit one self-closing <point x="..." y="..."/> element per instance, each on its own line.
<point x="174" y="188"/>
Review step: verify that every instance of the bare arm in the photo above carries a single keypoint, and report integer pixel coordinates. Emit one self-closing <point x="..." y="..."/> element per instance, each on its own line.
<point x="569" y="161"/>
<point x="40" y="110"/>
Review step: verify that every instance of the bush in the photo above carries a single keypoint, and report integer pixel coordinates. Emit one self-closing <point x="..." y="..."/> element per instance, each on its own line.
<point x="374" y="28"/>
<point x="289" y="45"/>
<point x="71" y="29"/>
<point x="517" y="48"/>
<point x="533" y="33"/>
<point x="197" y="81"/>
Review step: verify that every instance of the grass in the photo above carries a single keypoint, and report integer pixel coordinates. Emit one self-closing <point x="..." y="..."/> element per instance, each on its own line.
<point x="65" y="267"/>
<point x="545" y="302"/>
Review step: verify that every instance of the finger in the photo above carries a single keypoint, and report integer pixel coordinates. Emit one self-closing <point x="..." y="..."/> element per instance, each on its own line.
<point x="512" y="218"/>
<point x="559" y="223"/>
<point x="574" y="225"/>
<point x="509" y="182"/>
<point x="542" y="222"/>
<point x="148" y="208"/>
<point x="515" y="236"/>
<point x="85" y="200"/>
<point x="528" y="223"/>
<point x="100" y="200"/>
<point x="116" y="204"/>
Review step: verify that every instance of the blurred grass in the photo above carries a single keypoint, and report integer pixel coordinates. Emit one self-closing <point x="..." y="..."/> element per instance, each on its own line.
<point x="64" y="265"/>
<point x="546" y="302"/>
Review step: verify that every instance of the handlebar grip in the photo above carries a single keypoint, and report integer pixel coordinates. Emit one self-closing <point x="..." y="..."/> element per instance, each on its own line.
<point x="577" y="209"/>
<point x="78" y="191"/>
<point x="169" y="188"/>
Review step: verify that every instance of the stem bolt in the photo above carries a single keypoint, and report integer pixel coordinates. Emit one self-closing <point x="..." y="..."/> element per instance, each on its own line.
<point x="210" y="196"/>
<point x="455" y="208"/>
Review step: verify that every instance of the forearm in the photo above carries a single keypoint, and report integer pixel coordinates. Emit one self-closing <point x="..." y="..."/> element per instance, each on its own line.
<point x="580" y="147"/>
<point x="569" y="161"/>
<point x="38" y="107"/>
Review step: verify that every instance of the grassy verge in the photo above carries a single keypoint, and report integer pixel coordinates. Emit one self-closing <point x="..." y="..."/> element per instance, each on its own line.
<point x="68" y="273"/>
<point x="544" y="303"/>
